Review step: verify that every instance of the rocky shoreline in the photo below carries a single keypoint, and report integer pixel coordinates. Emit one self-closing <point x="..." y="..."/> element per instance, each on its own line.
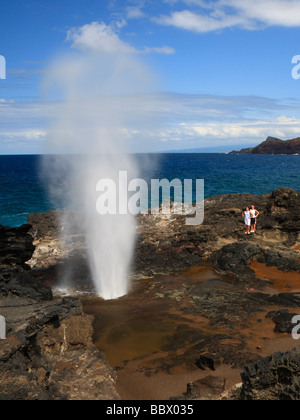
<point x="166" y="245"/>
<point x="273" y="146"/>
<point x="49" y="353"/>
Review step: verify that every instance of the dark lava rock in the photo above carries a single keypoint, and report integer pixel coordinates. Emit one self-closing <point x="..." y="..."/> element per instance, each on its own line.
<point x="208" y="361"/>
<point x="53" y="222"/>
<point x="284" y="208"/>
<point x="165" y="244"/>
<point x="214" y="350"/>
<point x="235" y="258"/>
<point x="48" y="353"/>
<point x="273" y="146"/>
<point x="274" y="378"/>
<point x="283" y="320"/>
<point x="15" y="246"/>
<point x="18" y="282"/>
<point x="206" y="388"/>
<point x="15" y="279"/>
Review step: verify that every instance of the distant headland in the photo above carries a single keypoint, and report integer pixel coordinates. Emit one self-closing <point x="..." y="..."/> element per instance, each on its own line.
<point x="273" y="146"/>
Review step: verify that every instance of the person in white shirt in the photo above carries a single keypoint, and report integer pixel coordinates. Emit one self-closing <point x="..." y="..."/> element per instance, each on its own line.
<point x="254" y="214"/>
<point x="247" y="218"/>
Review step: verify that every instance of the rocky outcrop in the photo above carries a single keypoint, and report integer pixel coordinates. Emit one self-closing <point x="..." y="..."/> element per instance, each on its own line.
<point x="15" y="246"/>
<point x="16" y="249"/>
<point x="283" y="320"/>
<point x="165" y="244"/>
<point x="235" y="258"/>
<point x="48" y="352"/>
<point x="273" y="378"/>
<point x="273" y="146"/>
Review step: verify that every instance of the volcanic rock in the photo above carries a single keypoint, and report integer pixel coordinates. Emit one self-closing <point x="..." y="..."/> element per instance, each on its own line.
<point x="274" y="378"/>
<point x="165" y="244"/>
<point x="283" y="320"/>
<point x="273" y="146"/>
<point x="48" y="352"/>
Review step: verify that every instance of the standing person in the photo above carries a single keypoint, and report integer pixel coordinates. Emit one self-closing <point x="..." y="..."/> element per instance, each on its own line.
<point x="247" y="218"/>
<point x="254" y="214"/>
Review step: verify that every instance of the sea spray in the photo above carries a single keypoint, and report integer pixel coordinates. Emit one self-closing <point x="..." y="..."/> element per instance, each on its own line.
<point x="100" y="100"/>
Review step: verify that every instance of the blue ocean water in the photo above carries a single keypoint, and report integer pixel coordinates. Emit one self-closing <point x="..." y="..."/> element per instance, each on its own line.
<point x="22" y="188"/>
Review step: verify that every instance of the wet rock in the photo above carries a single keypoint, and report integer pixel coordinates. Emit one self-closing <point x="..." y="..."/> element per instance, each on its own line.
<point x="165" y="244"/>
<point x="290" y="300"/>
<point x="284" y="209"/>
<point x="183" y="334"/>
<point x="16" y="249"/>
<point x="212" y="351"/>
<point x="54" y="223"/>
<point x="208" y="361"/>
<point x="235" y="258"/>
<point x="282" y="320"/>
<point x="16" y="246"/>
<point x="48" y="352"/>
<point x="274" y="378"/>
<point x="17" y="281"/>
<point x="207" y="388"/>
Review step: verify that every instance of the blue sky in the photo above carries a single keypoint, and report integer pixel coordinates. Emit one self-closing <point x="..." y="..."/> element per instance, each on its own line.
<point x="223" y="67"/>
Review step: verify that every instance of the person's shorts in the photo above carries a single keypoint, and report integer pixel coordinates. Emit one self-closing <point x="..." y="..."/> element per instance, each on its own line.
<point x="253" y="221"/>
<point x="247" y="222"/>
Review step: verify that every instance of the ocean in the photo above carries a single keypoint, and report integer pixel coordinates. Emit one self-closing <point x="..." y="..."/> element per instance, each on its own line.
<point x="23" y="189"/>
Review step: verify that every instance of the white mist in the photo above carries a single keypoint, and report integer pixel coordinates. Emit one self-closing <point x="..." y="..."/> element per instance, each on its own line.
<point x="100" y="100"/>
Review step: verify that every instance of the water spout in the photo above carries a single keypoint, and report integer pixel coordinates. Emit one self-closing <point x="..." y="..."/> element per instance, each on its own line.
<point x="101" y="99"/>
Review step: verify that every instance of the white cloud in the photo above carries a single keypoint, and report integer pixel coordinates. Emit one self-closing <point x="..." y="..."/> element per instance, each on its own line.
<point x="200" y="23"/>
<point x="135" y="12"/>
<point x="282" y="126"/>
<point x="103" y="38"/>
<point x="32" y="134"/>
<point x="195" y="121"/>
<point x="22" y="128"/>
<point x="99" y="37"/>
<point x="269" y="12"/>
<point x="159" y="50"/>
<point x="214" y="135"/>
<point x="178" y="121"/>
<point x="207" y="16"/>
<point x="5" y="101"/>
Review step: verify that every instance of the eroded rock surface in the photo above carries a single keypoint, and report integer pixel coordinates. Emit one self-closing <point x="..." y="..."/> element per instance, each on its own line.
<point x="165" y="244"/>
<point x="53" y="337"/>
<point x="274" y="378"/>
<point x="48" y="352"/>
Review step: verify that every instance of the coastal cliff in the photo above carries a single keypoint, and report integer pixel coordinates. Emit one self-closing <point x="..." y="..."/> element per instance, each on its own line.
<point x="273" y="146"/>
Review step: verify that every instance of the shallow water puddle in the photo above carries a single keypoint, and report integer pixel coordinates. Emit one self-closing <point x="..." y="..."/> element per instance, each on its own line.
<point x="282" y="281"/>
<point x="150" y="327"/>
<point x="152" y="319"/>
<point x="124" y="332"/>
<point x="144" y="322"/>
